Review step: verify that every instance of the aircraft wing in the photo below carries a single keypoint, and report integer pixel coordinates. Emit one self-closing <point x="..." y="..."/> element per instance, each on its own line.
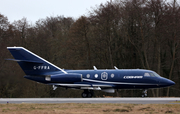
<point x="84" y="86"/>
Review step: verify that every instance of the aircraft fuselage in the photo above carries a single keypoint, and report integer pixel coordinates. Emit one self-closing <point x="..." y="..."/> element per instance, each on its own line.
<point x="118" y="79"/>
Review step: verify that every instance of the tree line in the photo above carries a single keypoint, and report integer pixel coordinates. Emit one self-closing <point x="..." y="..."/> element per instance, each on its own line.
<point x="129" y="34"/>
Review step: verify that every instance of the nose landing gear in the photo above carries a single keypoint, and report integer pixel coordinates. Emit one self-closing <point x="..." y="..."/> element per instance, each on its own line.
<point x="144" y="93"/>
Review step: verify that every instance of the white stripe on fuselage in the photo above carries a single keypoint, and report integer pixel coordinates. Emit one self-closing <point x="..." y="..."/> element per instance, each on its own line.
<point x="107" y="82"/>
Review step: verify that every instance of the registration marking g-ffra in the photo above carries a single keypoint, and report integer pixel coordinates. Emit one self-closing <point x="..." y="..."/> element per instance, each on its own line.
<point x="41" y="67"/>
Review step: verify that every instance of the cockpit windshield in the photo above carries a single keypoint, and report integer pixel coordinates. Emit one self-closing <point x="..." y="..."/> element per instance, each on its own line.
<point x="157" y="75"/>
<point x="152" y="74"/>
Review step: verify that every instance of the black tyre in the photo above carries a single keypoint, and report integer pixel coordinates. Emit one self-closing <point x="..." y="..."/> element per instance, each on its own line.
<point x="84" y="95"/>
<point x="90" y="94"/>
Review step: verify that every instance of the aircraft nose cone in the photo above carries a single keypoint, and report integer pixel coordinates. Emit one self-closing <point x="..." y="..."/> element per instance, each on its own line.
<point x="171" y="83"/>
<point x="166" y="82"/>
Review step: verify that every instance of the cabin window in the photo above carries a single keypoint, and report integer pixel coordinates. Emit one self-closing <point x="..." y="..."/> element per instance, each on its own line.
<point x="112" y="75"/>
<point x="88" y="75"/>
<point x="96" y="75"/>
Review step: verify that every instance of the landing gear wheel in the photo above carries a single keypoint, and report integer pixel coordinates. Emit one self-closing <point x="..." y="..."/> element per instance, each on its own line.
<point x="144" y="93"/>
<point x="84" y="95"/>
<point x="87" y="94"/>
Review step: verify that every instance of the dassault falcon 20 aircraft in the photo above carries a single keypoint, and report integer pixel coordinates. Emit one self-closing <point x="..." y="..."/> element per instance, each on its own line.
<point x="40" y="70"/>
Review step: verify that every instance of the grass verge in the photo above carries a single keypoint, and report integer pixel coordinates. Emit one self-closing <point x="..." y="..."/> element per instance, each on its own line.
<point x="78" y="108"/>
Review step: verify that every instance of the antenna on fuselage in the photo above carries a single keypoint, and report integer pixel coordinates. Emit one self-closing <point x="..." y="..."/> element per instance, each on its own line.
<point x="115" y="67"/>
<point x="94" y="67"/>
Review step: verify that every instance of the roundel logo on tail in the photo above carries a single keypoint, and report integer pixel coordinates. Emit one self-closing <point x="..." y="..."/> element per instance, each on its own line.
<point x="104" y="76"/>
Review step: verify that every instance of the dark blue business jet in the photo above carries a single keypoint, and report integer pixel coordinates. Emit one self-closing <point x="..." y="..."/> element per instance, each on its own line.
<point x="40" y="70"/>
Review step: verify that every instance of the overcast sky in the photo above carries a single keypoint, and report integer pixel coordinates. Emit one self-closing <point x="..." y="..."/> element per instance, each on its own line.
<point x="34" y="10"/>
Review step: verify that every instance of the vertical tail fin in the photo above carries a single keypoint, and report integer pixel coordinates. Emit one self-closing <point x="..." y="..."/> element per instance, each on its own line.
<point x="31" y="63"/>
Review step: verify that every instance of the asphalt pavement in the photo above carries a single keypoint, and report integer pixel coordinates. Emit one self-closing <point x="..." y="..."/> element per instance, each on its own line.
<point x="92" y="100"/>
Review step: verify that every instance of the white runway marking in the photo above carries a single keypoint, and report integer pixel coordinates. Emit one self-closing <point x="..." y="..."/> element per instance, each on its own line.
<point x="91" y="100"/>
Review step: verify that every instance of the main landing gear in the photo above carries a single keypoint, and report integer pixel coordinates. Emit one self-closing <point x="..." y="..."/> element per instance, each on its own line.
<point x="87" y="94"/>
<point x="144" y="93"/>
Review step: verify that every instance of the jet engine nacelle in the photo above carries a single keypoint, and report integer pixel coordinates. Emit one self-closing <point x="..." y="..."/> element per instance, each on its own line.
<point x="64" y="78"/>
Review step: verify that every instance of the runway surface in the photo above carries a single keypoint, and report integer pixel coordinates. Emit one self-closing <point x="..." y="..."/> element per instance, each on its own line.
<point x="92" y="100"/>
